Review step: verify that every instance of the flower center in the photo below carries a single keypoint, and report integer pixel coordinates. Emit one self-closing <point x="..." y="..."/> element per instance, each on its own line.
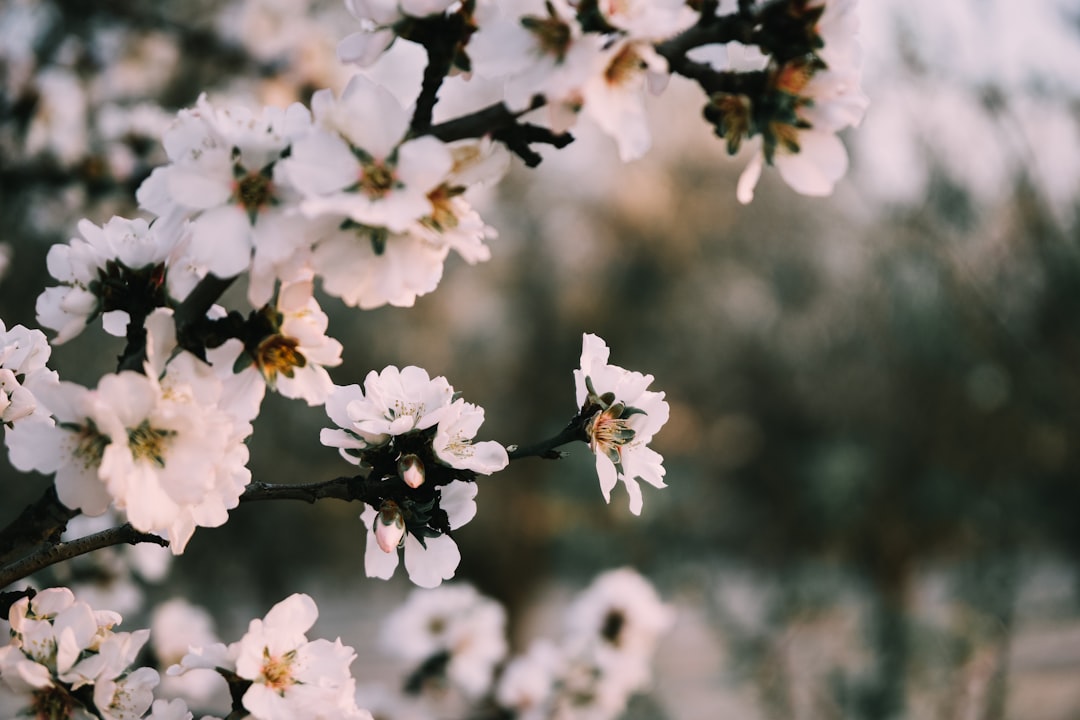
<point x="254" y="191"/>
<point x="277" y="671"/>
<point x="614" y="622"/>
<point x="149" y="443"/>
<point x="624" y="67"/>
<point x="442" y="215"/>
<point x="90" y="444"/>
<point x="794" y="76"/>
<point x="609" y="431"/>
<point x="376" y="180"/>
<point x="552" y="34"/>
<point x="52" y="703"/>
<point x="278" y="354"/>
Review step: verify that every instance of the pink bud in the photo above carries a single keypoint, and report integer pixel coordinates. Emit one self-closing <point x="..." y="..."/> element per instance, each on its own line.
<point x="389" y="526"/>
<point x="411" y="470"/>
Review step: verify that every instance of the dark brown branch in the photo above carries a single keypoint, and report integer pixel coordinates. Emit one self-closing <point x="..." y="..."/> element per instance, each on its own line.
<point x="125" y="534"/>
<point x="573" y="432"/>
<point x="41" y="522"/>
<point x="340" y="488"/>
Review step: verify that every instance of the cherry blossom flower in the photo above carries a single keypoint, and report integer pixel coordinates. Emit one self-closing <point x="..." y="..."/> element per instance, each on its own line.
<point x="224" y="174"/>
<point x="436" y="558"/>
<point x="167" y="453"/>
<point x="293" y="356"/>
<point x="621" y="418"/>
<point x="614" y="93"/>
<point x="95" y="272"/>
<point x="23" y="354"/>
<point x="58" y="646"/>
<point x="543" y="51"/>
<point x="828" y="98"/>
<point x="292" y="678"/>
<point x="457" y="622"/>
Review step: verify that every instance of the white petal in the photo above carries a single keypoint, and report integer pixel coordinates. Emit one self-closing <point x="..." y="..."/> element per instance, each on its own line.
<point x="429" y="567"/>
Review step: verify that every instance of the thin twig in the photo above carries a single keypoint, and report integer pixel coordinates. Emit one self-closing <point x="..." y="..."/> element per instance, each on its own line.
<point x="41" y="559"/>
<point x="40" y="522"/>
<point x="573" y="432"/>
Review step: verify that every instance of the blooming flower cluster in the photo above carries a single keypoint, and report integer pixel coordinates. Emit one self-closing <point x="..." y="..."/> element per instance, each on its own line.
<point x="416" y="441"/>
<point x="815" y="96"/>
<point x="286" y="676"/>
<point x="611" y="634"/>
<point x="622" y="416"/>
<point x="65" y="661"/>
<point x="167" y="452"/>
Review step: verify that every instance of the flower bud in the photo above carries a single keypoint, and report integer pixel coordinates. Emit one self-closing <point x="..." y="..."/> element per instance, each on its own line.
<point x="411" y="470"/>
<point x="389" y="526"/>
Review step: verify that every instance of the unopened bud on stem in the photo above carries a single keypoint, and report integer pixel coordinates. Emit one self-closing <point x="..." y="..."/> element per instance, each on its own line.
<point x="389" y="526"/>
<point x="411" y="470"/>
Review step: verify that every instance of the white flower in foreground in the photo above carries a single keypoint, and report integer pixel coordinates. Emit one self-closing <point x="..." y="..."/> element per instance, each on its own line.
<point x="542" y="51"/>
<point x="430" y="562"/>
<point x="416" y="445"/>
<point x="357" y="164"/>
<point x="454" y="621"/>
<point x="393" y="402"/>
<point x="292" y="678"/>
<point x="59" y="646"/>
<point x="293" y="360"/>
<point x="614" y="94"/>
<point x="625" y="416"/>
<point x="458" y="423"/>
<point x="165" y="453"/>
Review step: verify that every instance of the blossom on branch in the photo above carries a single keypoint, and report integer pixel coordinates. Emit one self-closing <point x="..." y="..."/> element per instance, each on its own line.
<point x="65" y="661"/>
<point x="224" y="176"/>
<point x="621" y="416"/>
<point x="165" y="452"/>
<point x="112" y="271"/>
<point x="415" y="445"/>
<point x="288" y="677"/>
<point x="23" y="354"/>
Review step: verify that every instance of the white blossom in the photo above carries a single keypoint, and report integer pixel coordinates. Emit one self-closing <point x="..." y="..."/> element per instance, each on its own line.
<point x="224" y="175"/>
<point x="292" y="678"/>
<point x="23" y="354"/>
<point x="625" y="416"/>
<point x="87" y="272"/>
<point x="434" y="560"/>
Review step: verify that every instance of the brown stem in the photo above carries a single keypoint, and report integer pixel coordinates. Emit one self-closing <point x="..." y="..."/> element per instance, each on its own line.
<point x="40" y="522"/>
<point x="41" y="559"/>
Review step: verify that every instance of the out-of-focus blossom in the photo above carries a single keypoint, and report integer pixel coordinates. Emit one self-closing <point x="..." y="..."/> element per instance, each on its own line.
<point x="378" y="18"/>
<point x="454" y="622"/>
